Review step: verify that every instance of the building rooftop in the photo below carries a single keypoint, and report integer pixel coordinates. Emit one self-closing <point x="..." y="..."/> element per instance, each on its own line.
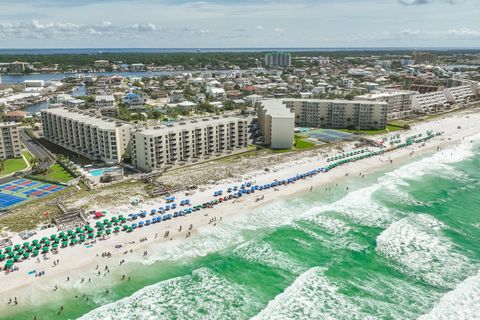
<point x="188" y="125"/>
<point x="93" y="119"/>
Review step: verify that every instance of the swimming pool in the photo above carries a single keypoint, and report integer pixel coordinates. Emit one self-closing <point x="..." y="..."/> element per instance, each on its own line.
<point x="101" y="171"/>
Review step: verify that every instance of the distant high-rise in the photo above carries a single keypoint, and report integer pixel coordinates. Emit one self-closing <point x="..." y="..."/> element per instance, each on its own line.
<point x="424" y="57"/>
<point x="278" y="59"/>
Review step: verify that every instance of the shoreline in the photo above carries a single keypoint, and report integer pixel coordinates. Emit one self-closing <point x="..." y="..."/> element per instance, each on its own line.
<point x="35" y="291"/>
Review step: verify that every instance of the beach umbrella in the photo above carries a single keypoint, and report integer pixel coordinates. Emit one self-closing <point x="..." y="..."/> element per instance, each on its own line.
<point x="74" y="241"/>
<point x="55" y="245"/>
<point x="61" y="234"/>
<point x="26" y="255"/>
<point x="125" y="227"/>
<point x="11" y="254"/>
<point x="78" y="230"/>
<point x="108" y="231"/>
<point x="99" y="233"/>
<point x="26" y="244"/>
<point x="35" y="253"/>
<point x="82" y="238"/>
<point x="45" y="249"/>
<point x="20" y="251"/>
<point x="16" y="258"/>
<point x="105" y="221"/>
<point x="44" y="239"/>
<point x="116" y="229"/>
<point x="16" y="247"/>
<point x="47" y="243"/>
<point x="30" y="248"/>
<point x="91" y="235"/>
<point x="64" y="243"/>
<point x="53" y="237"/>
<point x="2" y="257"/>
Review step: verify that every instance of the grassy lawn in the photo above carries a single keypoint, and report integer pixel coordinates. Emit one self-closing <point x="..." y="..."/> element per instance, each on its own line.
<point x="56" y="173"/>
<point x="303" y="144"/>
<point x="373" y="132"/>
<point x="13" y="165"/>
<point x="27" y="156"/>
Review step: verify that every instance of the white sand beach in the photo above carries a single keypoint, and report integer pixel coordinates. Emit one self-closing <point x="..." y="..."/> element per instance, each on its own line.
<point x="81" y="261"/>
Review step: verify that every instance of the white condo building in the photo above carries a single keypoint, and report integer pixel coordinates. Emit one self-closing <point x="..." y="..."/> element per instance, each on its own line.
<point x="164" y="147"/>
<point x="459" y="94"/>
<point x="277" y="124"/>
<point x="338" y="114"/>
<point x="399" y="102"/>
<point x="92" y="136"/>
<point x="10" y="146"/>
<point x="429" y="102"/>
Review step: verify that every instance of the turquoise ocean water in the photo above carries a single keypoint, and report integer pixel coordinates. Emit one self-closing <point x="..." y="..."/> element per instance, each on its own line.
<point x="400" y="244"/>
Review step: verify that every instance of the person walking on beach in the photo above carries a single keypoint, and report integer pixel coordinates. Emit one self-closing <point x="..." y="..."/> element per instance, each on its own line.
<point x="15" y="301"/>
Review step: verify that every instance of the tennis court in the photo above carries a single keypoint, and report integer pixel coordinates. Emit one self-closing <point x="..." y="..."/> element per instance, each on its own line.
<point x="328" y="135"/>
<point x="20" y="190"/>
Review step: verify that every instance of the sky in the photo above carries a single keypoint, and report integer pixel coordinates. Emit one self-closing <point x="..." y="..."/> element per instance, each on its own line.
<point x="239" y="23"/>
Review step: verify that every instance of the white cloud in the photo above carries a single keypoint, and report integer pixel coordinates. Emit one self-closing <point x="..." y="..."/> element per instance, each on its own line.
<point x="59" y="30"/>
<point x="279" y="30"/>
<point x="464" y="33"/>
<point x="260" y="28"/>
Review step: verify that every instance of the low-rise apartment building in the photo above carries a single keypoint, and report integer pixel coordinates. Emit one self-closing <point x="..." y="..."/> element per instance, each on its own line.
<point x="164" y="147"/>
<point x="277" y="124"/>
<point x="339" y="114"/>
<point x="459" y="94"/>
<point x="429" y="102"/>
<point x="399" y="102"/>
<point x="10" y="146"/>
<point x="92" y="136"/>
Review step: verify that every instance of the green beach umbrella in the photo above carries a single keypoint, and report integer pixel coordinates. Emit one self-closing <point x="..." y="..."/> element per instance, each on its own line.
<point x="91" y="235"/>
<point x="53" y="237"/>
<point x="45" y="249"/>
<point x="35" y="253"/>
<point x="26" y="244"/>
<point x="20" y="251"/>
<point x="17" y="246"/>
<point x="26" y="255"/>
<point x="16" y="258"/>
<point x="99" y="233"/>
<point x="61" y="234"/>
<point x="2" y="257"/>
<point x="44" y="239"/>
<point x="117" y="229"/>
<point x="11" y="254"/>
<point x="78" y="230"/>
<point x="108" y="231"/>
<point x="125" y="227"/>
<point x="82" y="238"/>
<point x="55" y="245"/>
<point x="64" y="243"/>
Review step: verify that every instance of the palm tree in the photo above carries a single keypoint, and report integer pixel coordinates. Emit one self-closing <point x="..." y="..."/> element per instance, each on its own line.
<point x="35" y="163"/>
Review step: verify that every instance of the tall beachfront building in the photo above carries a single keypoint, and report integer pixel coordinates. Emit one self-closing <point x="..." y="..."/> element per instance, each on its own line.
<point x="278" y="59"/>
<point x="10" y="146"/>
<point x="339" y="114"/>
<point x="92" y="136"/>
<point x="164" y="147"/>
<point x="277" y="124"/>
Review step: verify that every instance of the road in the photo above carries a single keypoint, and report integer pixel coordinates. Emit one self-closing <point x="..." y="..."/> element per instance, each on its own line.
<point x="37" y="150"/>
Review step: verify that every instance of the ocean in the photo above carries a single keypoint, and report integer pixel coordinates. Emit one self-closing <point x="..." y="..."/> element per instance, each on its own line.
<point x="399" y="244"/>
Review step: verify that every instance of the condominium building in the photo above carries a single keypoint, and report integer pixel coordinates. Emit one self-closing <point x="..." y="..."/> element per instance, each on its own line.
<point x="459" y="94"/>
<point x="339" y="114"/>
<point x="429" y="102"/>
<point x="164" y="147"/>
<point x="277" y="124"/>
<point x="92" y="136"/>
<point x="424" y="57"/>
<point x="278" y="59"/>
<point x="399" y="102"/>
<point x="10" y="146"/>
<point x="101" y="63"/>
